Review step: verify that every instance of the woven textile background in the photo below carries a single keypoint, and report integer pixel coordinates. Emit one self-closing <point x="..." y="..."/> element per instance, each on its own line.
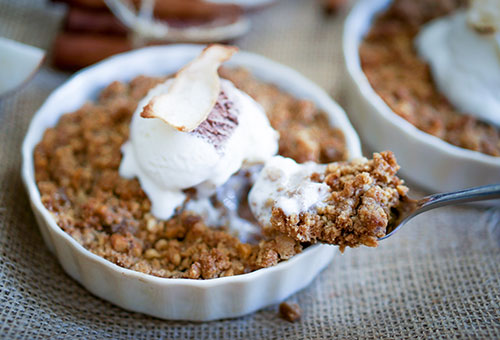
<point x="438" y="278"/>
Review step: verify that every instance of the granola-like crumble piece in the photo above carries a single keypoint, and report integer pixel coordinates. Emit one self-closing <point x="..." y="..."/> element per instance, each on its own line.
<point x="404" y="81"/>
<point x="357" y="209"/>
<point x="290" y="311"/>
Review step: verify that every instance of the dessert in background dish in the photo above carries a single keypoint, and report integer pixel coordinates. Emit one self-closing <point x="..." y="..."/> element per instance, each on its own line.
<point x="464" y="56"/>
<point x="423" y="96"/>
<point x="77" y="172"/>
<point x="343" y="203"/>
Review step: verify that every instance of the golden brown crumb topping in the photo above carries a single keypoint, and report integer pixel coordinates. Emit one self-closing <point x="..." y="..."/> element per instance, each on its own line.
<point x="305" y="132"/>
<point x="359" y="206"/>
<point x="405" y="83"/>
<point x="76" y="169"/>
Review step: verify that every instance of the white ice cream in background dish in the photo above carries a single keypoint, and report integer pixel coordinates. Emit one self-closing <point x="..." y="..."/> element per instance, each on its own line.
<point x="199" y="130"/>
<point x="281" y="174"/>
<point x="463" y="51"/>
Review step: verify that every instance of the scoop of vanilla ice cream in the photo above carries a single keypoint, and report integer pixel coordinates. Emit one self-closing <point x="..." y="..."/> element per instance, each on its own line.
<point x="287" y="185"/>
<point x="167" y="161"/>
<point x="465" y="64"/>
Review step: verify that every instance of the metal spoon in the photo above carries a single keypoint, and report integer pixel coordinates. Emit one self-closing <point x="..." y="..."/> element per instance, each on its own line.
<point x="416" y="207"/>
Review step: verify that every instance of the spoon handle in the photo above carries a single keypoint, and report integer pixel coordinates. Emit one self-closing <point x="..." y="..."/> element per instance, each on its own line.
<point x="486" y="192"/>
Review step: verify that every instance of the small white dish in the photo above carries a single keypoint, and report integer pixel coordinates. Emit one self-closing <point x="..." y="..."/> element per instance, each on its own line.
<point x="18" y="64"/>
<point x="425" y="159"/>
<point x="176" y="299"/>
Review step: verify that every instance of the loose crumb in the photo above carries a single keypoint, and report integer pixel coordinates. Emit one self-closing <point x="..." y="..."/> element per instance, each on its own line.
<point x="290" y="312"/>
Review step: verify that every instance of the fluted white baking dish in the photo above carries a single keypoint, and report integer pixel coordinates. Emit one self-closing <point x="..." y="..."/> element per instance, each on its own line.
<point x="425" y="159"/>
<point x="180" y="299"/>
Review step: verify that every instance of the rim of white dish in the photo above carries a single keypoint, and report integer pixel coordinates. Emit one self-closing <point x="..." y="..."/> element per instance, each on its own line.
<point x="357" y="23"/>
<point x="243" y="59"/>
<point x="245" y="3"/>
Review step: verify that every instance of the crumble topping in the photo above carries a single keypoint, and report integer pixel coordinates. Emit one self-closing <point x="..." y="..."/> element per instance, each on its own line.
<point x="305" y="131"/>
<point x="362" y="196"/>
<point x="76" y="170"/>
<point x="404" y="81"/>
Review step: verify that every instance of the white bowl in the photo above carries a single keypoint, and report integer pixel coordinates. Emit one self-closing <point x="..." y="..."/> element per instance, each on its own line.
<point x="425" y="159"/>
<point x="180" y="299"/>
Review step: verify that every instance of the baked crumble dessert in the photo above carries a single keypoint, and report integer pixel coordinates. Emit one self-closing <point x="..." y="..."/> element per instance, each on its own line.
<point x="343" y="203"/>
<point x="78" y="165"/>
<point x="435" y="63"/>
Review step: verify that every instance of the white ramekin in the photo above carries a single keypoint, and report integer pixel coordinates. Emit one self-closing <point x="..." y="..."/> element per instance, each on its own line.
<point x="179" y="299"/>
<point x="425" y="159"/>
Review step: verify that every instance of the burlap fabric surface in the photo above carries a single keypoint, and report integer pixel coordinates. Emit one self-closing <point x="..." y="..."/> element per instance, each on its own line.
<point x="438" y="278"/>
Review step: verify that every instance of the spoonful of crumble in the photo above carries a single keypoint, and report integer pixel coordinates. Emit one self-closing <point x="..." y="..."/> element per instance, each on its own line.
<point x="344" y="203"/>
